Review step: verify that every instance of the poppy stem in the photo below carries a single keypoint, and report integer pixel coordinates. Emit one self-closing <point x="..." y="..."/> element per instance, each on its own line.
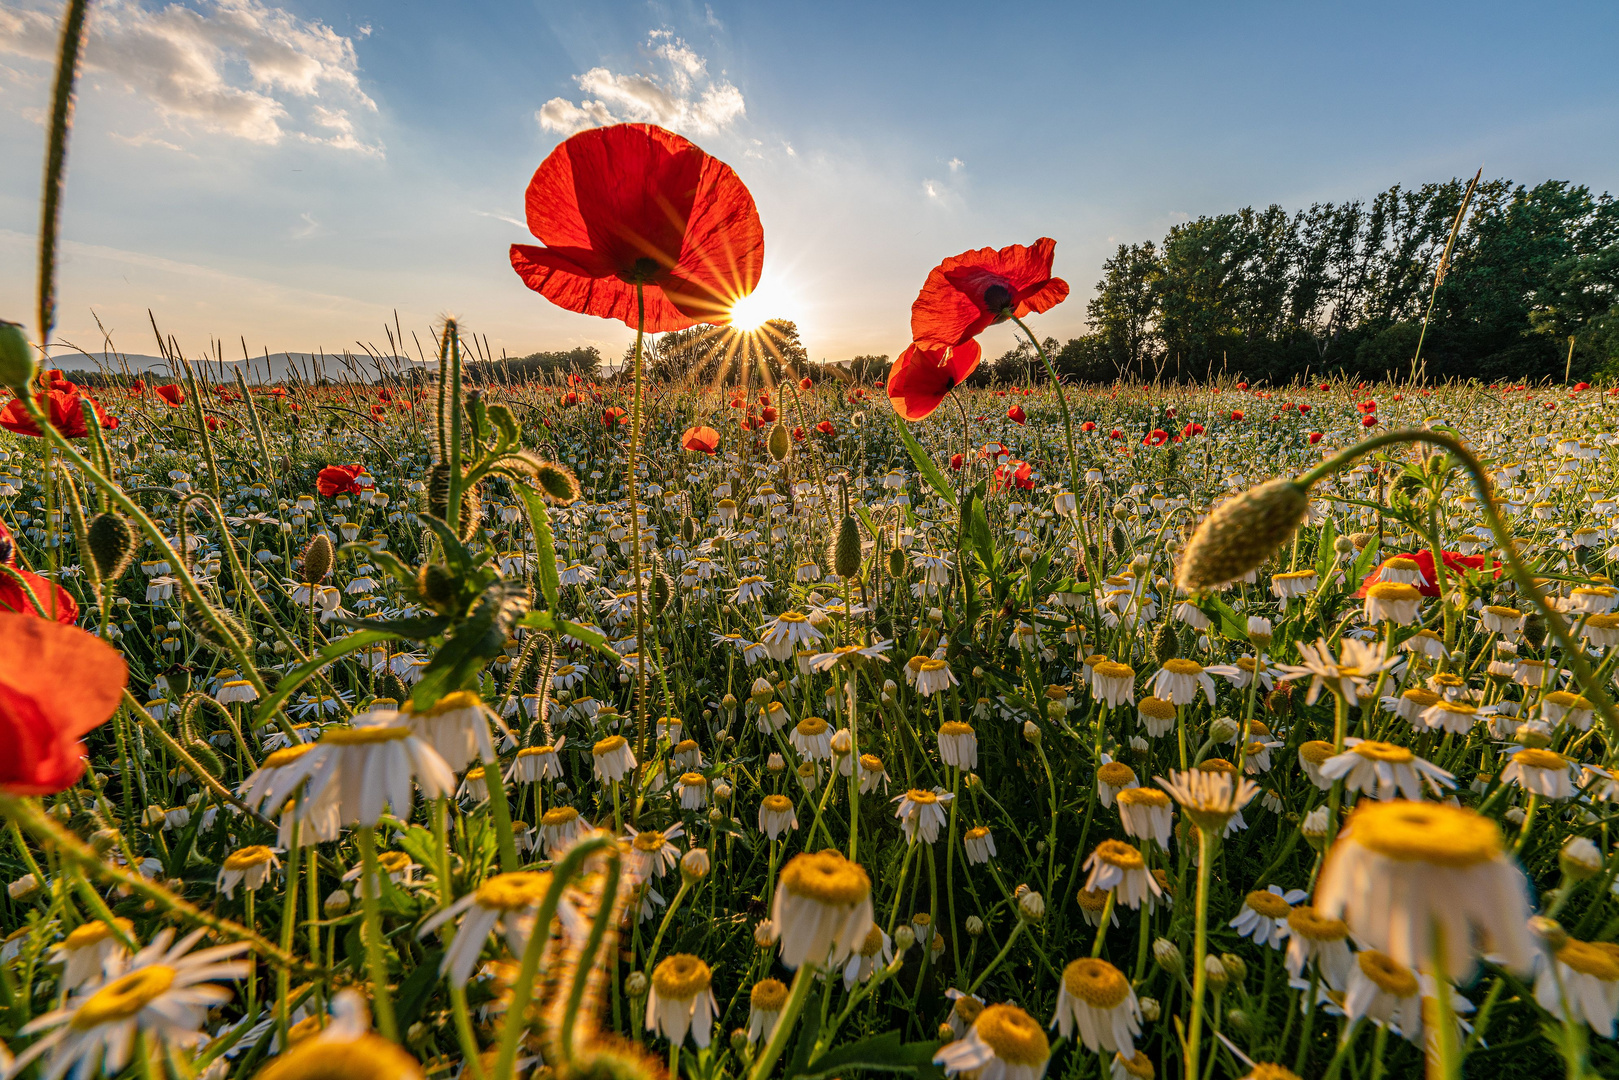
<point x="1062" y="401"/>
<point x="635" y="557"/>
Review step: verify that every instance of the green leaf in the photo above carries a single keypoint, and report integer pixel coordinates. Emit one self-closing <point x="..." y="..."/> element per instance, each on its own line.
<point x="292" y="680"/>
<point x="924" y="464"/>
<point x="545" y="554"/>
<point x="978" y="526"/>
<point x="882" y="1053"/>
<point x="475" y="642"/>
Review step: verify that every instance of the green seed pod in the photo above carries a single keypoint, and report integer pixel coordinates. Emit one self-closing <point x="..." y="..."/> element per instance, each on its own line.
<point x="436" y="585"/>
<point x="896" y="562"/>
<point x="317" y="560"/>
<point x="1279" y="701"/>
<point x="688" y="529"/>
<point x="781" y="443"/>
<point x="663" y="590"/>
<point x="392" y="686"/>
<point x="112" y="542"/>
<point x="204" y="755"/>
<point x="1241" y="534"/>
<point x="1119" y="541"/>
<point x="1166" y="642"/>
<point x="558" y="482"/>
<point x="1534" y="629"/>
<point x="17" y="361"/>
<point x="846" y="551"/>
<point x="438" y="500"/>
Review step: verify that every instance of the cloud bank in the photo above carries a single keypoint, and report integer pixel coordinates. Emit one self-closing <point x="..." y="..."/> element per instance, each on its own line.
<point x="680" y="96"/>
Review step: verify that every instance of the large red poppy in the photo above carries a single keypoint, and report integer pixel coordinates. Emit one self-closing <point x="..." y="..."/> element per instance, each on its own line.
<point x="921" y="377"/>
<point x="969" y="292"/>
<point x="58" y="684"/>
<point x="57" y="601"/>
<point x="634" y="202"/>
<point x="702" y="440"/>
<point x="338" y="480"/>
<point x="172" y="393"/>
<point x="1456" y="565"/>
<point x="62" y="401"/>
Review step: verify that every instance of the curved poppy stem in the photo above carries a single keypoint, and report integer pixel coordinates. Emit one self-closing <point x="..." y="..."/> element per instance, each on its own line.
<point x="1062" y="401"/>
<point x="635" y="557"/>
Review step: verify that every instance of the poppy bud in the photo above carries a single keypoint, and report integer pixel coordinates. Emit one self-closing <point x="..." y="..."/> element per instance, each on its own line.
<point x="846" y="551"/>
<point x="780" y="443"/>
<point x="1118" y="541"/>
<point x="1534" y="629"/>
<point x="318" y="559"/>
<point x="1241" y="534"/>
<point x="1166" y="642"/>
<point x="436" y="586"/>
<point x="557" y="481"/>
<point x="112" y="543"/>
<point x="896" y="562"/>
<point x="17" y="362"/>
<point x="438" y="499"/>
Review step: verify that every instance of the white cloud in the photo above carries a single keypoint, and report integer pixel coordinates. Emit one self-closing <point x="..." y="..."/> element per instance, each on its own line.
<point x="956" y="164"/>
<point x="681" y="96"/>
<point x="232" y="67"/>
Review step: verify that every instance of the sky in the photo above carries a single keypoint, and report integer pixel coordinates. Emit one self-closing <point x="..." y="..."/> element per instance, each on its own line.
<point x="295" y="176"/>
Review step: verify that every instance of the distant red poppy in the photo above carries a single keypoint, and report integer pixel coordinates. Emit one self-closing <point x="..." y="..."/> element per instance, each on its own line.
<point x="768" y="414"/>
<point x="57" y="602"/>
<point x="337" y="480"/>
<point x="1456" y="565"/>
<point x="1236" y="414"/>
<point x="1156" y="437"/>
<point x="1242" y="386"/>
<point x="213" y="422"/>
<point x="58" y="684"/>
<point x="172" y="393"/>
<point x="825" y="428"/>
<point x="798" y="434"/>
<point x="1315" y="437"/>
<point x="804" y="383"/>
<point x="1089" y="425"/>
<point x="764" y="397"/>
<point x="634" y="202"/>
<point x="1193" y="428"/>
<point x="63" y="403"/>
<point x="1016" y="414"/>
<point x="138" y="386"/>
<point x="955" y="462"/>
<point x="385" y="394"/>
<point x="1582" y="386"/>
<point x="1015" y="474"/>
<point x="1303" y="408"/>
<point x="615" y="415"/>
<point x="921" y="377"/>
<point x="967" y="293"/>
<point x="702" y="440"/>
<point x="1368" y="421"/>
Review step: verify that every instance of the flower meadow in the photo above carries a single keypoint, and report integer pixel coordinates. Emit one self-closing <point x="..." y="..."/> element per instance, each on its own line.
<point x="793" y="725"/>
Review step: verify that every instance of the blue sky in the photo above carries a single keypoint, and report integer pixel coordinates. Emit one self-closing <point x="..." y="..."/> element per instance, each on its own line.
<point x="294" y="173"/>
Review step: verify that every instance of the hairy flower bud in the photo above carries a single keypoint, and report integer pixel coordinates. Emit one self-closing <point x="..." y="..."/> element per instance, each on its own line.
<point x="317" y="559"/>
<point x="780" y="442"/>
<point x="1241" y="533"/>
<point x="694" y="864"/>
<point x="17" y="360"/>
<point x="635" y="984"/>
<point x="112" y="543"/>
<point x="336" y="903"/>
<point x="1167" y="955"/>
<point x="846" y="551"/>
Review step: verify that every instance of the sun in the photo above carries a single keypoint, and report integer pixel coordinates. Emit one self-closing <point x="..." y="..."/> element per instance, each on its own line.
<point x="770" y="300"/>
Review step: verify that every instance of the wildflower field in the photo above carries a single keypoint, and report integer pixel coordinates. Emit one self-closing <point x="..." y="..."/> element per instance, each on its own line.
<point x="793" y="724"/>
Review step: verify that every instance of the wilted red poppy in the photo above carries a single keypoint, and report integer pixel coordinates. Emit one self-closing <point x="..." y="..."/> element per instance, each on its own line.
<point x="58" y="683"/>
<point x="635" y="203"/>
<point x="703" y="440"/>
<point x="804" y="383"/>
<point x="63" y="403"/>
<point x="1016" y="414"/>
<point x="338" y="480"/>
<point x="969" y="292"/>
<point x="172" y="393"/>
<point x="825" y="428"/>
<point x="57" y="601"/>
<point x="921" y="377"/>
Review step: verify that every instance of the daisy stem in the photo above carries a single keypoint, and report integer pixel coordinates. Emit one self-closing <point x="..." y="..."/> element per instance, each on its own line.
<point x="635" y="562"/>
<point x="1107" y="915"/>
<point x="669" y="914"/>
<point x="371" y="906"/>
<point x="899" y="886"/>
<point x="950" y="868"/>
<point x="1444" y="1045"/>
<point x="993" y="964"/>
<point x="500" y="812"/>
<point x="1528" y="823"/>
<point x="1206" y="841"/>
<point x="802" y="981"/>
<point x="289" y="910"/>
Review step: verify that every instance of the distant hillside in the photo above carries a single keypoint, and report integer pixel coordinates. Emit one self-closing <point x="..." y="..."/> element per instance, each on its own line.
<point x="276" y="367"/>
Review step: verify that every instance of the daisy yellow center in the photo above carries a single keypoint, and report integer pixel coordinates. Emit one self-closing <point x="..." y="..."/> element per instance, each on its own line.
<point x="124" y="997"/>
<point x="769" y="995"/>
<point x="686" y="746"/>
<point x="536" y="751"/>
<point x="1391" y="976"/>
<point x="776" y="804"/>
<point x="871" y="763"/>
<point x="1178" y="666"/>
<point x="280" y="759"/>
<point x="1398" y="563"/>
<point x="1567" y="700"/>
<point x="1315" y="751"/>
<point x="811" y="726"/>
<point x="693" y="779"/>
<point x="1307" y="923"/>
<point x="649" y="841"/>
<point x="369" y="1057"/>
<point x="1603" y="622"/>
<point x="1264" y="1070"/>
<point x="924" y="798"/>
<point x="559" y="815"/>
<point x="1598" y="959"/>
<point x="1014" y="1035"/>
<point x="1541" y="759"/>
<point x="1108" y="669"/>
<point x="1393" y="590"/>
<point x="1426" y="832"/>
<point x="1093" y="899"/>
<point x="1295" y="575"/>
<point x="1266" y="903"/>
<point x="461" y="699"/>
<point x="610" y="745"/>
<point x="1420" y="697"/>
<point x="512" y="892"/>
<point x="873" y="943"/>
<point x="1138" y="1066"/>
<point x="248" y="857"/>
<point x="365" y="736"/>
<point x="932" y="664"/>
<point x="967" y="1009"/>
<point x="681" y="977"/>
<point x="94" y="933"/>
<point x="1503" y="612"/>
<point x="1392" y="753"/>
<point x="977" y="832"/>
<point x="1157" y="708"/>
<point x="791" y="617"/>
<point x="1096" y="982"/>
<point x="954" y="727"/>
<point x="1118" y="853"/>
<point x="826" y="877"/>
<point x="1116" y="774"/>
<point x="393" y="862"/>
<point x="1149" y="797"/>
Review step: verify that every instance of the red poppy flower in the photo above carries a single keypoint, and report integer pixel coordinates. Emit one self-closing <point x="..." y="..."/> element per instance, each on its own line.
<point x="1325" y="386"/>
<point x="1242" y="386"/>
<point x="385" y="394"/>
<point x="764" y="397"/>
<point x="804" y="383"/>
<point x="825" y="428"/>
<point x="1236" y="414"/>
<point x="1089" y="425"/>
<point x="1016" y="414"/>
<point x="634" y="202"/>
<point x="1315" y="437"/>
<point x="570" y="398"/>
<point x="768" y="414"/>
<point x="1303" y="409"/>
<point x="138" y="386"/>
<point x="955" y="462"/>
<point x="62" y="402"/>
<point x="58" y="684"/>
<point x="921" y="377"/>
<point x="1015" y="473"/>
<point x="1192" y="428"/>
<point x="703" y="440"/>
<point x="172" y="393"/>
<point x="1456" y="565"/>
<point x="1582" y="386"/>
<point x="1368" y="421"/>
<point x="1115" y="434"/>
<point x="337" y="480"/>
<point x="969" y="292"/>
<point x="1156" y="437"/>
<point x="614" y="415"/>
<point x="57" y="601"/>
<point x="213" y="422"/>
<point x="798" y="434"/>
